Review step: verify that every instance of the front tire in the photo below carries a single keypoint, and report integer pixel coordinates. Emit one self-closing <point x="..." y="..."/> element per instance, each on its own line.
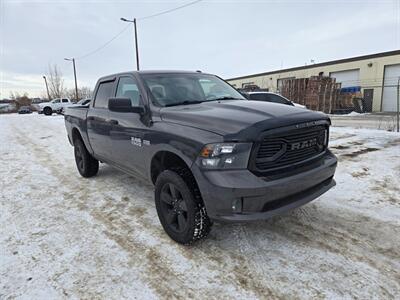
<point x="87" y="165"/>
<point x="48" y="111"/>
<point x="180" y="208"/>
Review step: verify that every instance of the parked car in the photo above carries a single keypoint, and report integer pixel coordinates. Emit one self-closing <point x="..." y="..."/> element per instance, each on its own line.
<point x="83" y="102"/>
<point x="24" y="110"/>
<point x="211" y="153"/>
<point x="54" y="106"/>
<point x="271" y="97"/>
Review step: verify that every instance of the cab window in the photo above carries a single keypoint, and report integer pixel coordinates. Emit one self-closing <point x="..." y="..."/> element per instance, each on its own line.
<point x="104" y="92"/>
<point x="128" y="88"/>
<point x="259" y="97"/>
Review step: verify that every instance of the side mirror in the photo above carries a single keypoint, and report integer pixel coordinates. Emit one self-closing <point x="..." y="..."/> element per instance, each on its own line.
<point x="124" y="105"/>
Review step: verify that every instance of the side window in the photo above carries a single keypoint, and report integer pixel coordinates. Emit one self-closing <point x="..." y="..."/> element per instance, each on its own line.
<point x="277" y="99"/>
<point x="128" y="88"/>
<point x="104" y="92"/>
<point x="259" y="97"/>
<point x="64" y="100"/>
<point x="57" y="101"/>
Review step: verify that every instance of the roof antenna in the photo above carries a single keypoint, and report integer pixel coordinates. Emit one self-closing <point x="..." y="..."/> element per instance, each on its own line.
<point x="198" y="71"/>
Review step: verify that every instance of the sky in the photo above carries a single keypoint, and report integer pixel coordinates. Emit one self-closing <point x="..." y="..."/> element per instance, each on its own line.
<point x="227" y="38"/>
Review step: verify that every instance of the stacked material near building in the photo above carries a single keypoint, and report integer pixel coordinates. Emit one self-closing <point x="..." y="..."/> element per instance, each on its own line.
<point x="373" y="77"/>
<point x="319" y="93"/>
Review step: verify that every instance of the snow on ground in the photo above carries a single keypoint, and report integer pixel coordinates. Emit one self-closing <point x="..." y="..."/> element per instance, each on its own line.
<point x="383" y="121"/>
<point x="62" y="236"/>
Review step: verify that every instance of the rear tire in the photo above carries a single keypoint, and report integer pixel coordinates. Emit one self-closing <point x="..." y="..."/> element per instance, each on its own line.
<point x="180" y="208"/>
<point x="87" y="165"/>
<point x="47" y="111"/>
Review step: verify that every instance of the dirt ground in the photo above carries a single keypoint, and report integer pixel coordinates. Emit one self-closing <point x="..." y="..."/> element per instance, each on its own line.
<point x="62" y="236"/>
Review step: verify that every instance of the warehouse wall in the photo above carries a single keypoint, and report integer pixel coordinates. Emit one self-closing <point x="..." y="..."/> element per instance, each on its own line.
<point x="370" y="76"/>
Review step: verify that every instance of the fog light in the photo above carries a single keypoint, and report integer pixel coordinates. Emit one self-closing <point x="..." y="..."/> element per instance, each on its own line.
<point x="237" y="205"/>
<point x="210" y="162"/>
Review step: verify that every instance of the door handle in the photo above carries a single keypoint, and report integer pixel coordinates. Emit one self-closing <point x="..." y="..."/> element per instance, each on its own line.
<point x="113" y="122"/>
<point x="90" y="118"/>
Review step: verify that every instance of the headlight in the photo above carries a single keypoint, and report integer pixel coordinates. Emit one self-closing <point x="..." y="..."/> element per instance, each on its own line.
<point x="224" y="156"/>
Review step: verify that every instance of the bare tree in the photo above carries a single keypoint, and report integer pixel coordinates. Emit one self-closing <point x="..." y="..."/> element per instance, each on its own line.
<point x="20" y="100"/>
<point x="83" y="92"/>
<point x="55" y="82"/>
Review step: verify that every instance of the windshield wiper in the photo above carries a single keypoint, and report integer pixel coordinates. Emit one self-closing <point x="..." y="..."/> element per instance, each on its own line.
<point x="225" y="98"/>
<point x="186" y="102"/>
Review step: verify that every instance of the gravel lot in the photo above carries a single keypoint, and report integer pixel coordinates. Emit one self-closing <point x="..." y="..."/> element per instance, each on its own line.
<point x="62" y="236"/>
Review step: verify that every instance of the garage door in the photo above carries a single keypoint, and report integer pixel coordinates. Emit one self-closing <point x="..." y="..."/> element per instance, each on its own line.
<point x="389" y="96"/>
<point x="348" y="78"/>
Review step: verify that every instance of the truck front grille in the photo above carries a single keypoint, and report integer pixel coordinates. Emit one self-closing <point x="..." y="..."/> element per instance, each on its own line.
<point x="285" y="149"/>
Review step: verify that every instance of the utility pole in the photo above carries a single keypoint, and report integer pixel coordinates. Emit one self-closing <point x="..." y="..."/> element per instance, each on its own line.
<point x="47" y="87"/>
<point x="398" y="104"/>
<point x="76" y="83"/>
<point x="136" y="40"/>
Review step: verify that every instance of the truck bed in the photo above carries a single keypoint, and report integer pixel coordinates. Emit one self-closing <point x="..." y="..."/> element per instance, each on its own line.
<point x="75" y="116"/>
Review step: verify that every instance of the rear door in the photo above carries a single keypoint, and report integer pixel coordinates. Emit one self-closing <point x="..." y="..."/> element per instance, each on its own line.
<point x="128" y="130"/>
<point x="98" y="123"/>
<point x="64" y="102"/>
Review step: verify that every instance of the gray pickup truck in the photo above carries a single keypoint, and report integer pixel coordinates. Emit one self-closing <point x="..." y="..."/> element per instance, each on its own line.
<point x="211" y="153"/>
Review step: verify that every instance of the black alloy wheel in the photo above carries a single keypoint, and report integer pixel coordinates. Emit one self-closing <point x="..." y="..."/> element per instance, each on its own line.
<point x="87" y="165"/>
<point x="174" y="207"/>
<point x="180" y="207"/>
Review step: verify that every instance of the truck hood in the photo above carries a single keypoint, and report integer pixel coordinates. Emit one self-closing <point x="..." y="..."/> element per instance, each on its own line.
<point x="242" y="120"/>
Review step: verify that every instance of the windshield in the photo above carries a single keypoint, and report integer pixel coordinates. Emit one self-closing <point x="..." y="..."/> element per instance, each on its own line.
<point x="183" y="89"/>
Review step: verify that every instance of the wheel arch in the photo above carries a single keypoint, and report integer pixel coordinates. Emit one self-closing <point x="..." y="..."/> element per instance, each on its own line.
<point x="77" y="133"/>
<point x="166" y="160"/>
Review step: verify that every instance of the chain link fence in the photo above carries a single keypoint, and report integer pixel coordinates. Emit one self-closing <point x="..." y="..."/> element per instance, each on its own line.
<point x="345" y="98"/>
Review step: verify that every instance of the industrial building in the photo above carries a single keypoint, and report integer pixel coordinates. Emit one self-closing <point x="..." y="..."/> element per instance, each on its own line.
<point x="374" y="77"/>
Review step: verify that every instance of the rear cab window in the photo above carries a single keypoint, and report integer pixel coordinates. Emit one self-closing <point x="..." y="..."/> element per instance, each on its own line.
<point x="269" y="98"/>
<point x="259" y="97"/>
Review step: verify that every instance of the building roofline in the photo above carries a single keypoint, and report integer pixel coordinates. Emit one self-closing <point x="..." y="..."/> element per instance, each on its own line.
<point x="332" y="62"/>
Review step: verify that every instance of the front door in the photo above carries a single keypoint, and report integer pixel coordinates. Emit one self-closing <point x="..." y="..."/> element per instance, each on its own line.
<point x="98" y="124"/>
<point x="368" y="98"/>
<point x="56" y="105"/>
<point x="127" y="133"/>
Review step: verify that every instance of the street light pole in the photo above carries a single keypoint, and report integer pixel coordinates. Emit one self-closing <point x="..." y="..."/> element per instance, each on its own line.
<point x="47" y="87"/>
<point x="136" y="40"/>
<point x="136" y="45"/>
<point x="398" y="104"/>
<point x="76" y="83"/>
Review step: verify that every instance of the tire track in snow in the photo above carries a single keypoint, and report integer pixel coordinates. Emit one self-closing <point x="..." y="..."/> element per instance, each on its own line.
<point x="156" y="264"/>
<point x="225" y="259"/>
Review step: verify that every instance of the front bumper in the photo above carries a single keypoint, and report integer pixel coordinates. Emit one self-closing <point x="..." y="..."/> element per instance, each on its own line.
<point x="239" y="195"/>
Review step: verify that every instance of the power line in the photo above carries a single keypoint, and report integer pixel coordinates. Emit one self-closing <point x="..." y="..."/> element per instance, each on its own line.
<point x="105" y="44"/>
<point x="169" y="10"/>
<point x="126" y="27"/>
